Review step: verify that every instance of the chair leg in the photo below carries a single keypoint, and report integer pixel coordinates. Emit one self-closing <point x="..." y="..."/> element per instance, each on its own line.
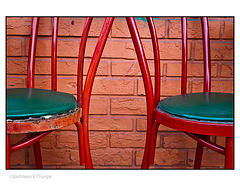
<point x="81" y="143"/>
<point x="145" y="162"/>
<point x="87" y="148"/>
<point x="199" y="153"/>
<point x="229" y="159"/>
<point x="153" y="142"/>
<point x="37" y="153"/>
<point x="8" y="151"/>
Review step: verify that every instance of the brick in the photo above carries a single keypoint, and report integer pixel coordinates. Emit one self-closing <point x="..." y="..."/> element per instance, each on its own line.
<point x="18" y="25"/>
<point x="18" y="157"/>
<point x="98" y="105"/>
<point x="217" y="85"/>
<point x="65" y="66"/>
<point x="142" y="126"/>
<point x="172" y="49"/>
<point x="214" y="28"/>
<point x="165" y="157"/>
<point x="120" y="28"/>
<point x="16" y="81"/>
<point x="229" y="30"/>
<point x="98" y="140"/>
<point x="120" y="48"/>
<point x="127" y="140"/>
<point x="69" y="140"/>
<point x="15" y="138"/>
<point x="169" y="87"/>
<point x="136" y="106"/>
<point x="110" y="124"/>
<point x="171" y="157"/>
<point x="45" y="26"/>
<point x="129" y="68"/>
<point x="65" y="48"/>
<point x="96" y="26"/>
<point x="227" y="70"/>
<point x="194" y="69"/>
<point x="112" y="157"/>
<point x="116" y="48"/>
<point x="102" y="69"/>
<point x="210" y="159"/>
<point x="14" y="47"/>
<point x="49" y="141"/>
<point x="219" y="51"/>
<point x="113" y="86"/>
<point x="43" y="82"/>
<point x="71" y="26"/>
<point x="43" y="47"/>
<point x="194" y="28"/>
<point x="67" y="84"/>
<point x="222" y="86"/>
<point x="52" y="157"/>
<point x="16" y="66"/>
<point x="176" y="141"/>
<point x="220" y="140"/>
<point x="73" y="160"/>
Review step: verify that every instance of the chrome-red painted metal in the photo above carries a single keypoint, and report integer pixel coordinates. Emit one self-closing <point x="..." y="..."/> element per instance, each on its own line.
<point x="81" y="59"/>
<point x="89" y="83"/>
<point x="156" y="59"/>
<point x="81" y="143"/>
<point x="54" y="53"/>
<point x="32" y="51"/>
<point x="36" y="151"/>
<point x="8" y="151"/>
<point x="198" y="130"/>
<point x="205" y="140"/>
<point x="31" y="139"/>
<point x="146" y="80"/>
<point x="206" y="55"/>
<point x="199" y="152"/>
<point x="229" y="153"/>
<point x="184" y="56"/>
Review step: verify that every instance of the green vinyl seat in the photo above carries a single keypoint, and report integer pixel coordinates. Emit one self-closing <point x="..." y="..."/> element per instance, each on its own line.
<point x="33" y="102"/>
<point x="201" y="106"/>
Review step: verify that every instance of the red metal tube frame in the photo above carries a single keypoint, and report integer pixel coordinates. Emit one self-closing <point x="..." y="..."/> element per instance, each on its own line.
<point x="207" y="143"/>
<point x="29" y="141"/>
<point x="89" y="83"/>
<point x="156" y="59"/>
<point x="206" y="54"/>
<point x="54" y="53"/>
<point x="81" y="59"/>
<point x="147" y="83"/>
<point x="32" y="51"/>
<point x="184" y="56"/>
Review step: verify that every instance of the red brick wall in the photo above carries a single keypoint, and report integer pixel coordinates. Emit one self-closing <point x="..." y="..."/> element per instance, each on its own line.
<point x="118" y="111"/>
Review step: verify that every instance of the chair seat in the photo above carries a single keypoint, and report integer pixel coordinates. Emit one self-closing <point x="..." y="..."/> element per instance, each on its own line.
<point x="201" y="106"/>
<point x="33" y="102"/>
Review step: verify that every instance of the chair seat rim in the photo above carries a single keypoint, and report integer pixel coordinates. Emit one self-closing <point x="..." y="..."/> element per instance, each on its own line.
<point x="41" y="124"/>
<point x="203" y="127"/>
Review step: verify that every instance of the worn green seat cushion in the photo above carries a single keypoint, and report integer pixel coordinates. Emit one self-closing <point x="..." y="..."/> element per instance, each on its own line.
<point x="32" y="102"/>
<point x="200" y="106"/>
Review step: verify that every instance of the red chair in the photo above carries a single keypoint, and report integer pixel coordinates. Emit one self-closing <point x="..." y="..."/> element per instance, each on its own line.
<point x="38" y="112"/>
<point x="199" y="115"/>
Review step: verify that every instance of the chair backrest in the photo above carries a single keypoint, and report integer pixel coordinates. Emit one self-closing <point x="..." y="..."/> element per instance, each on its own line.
<point x="94" y="63"/>
<point x="153" y="98"/>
